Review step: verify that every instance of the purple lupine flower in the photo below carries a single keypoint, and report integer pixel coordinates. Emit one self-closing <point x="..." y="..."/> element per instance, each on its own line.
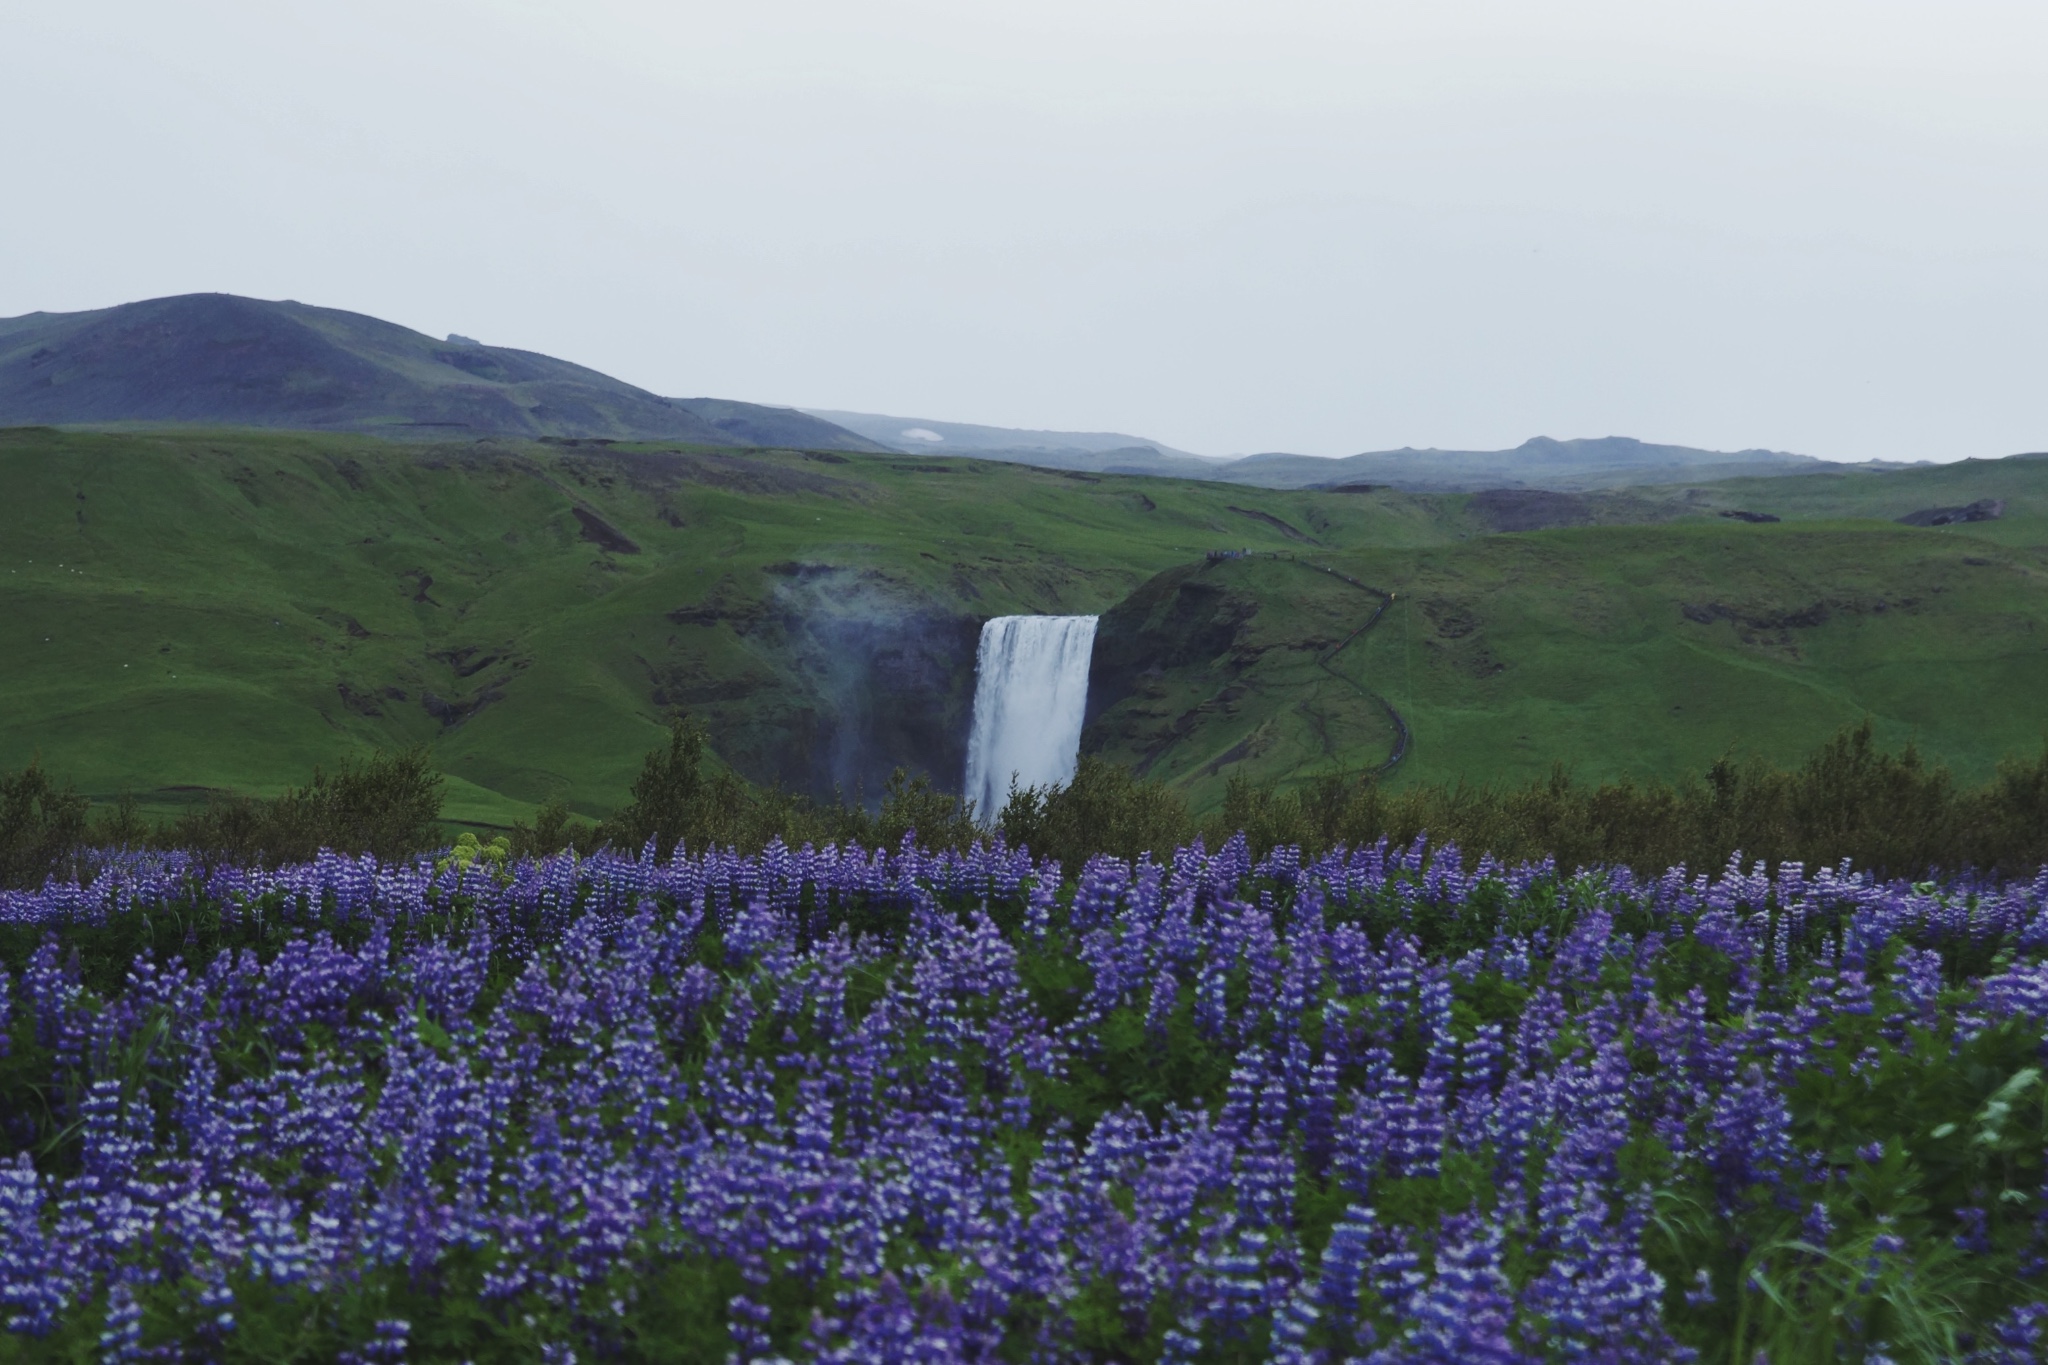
<point x="2018" y="1338"/>
<point x="851" y="1111"/>
<point x="1464" y="1312"/>
<point x="34" y="1275"/>
<point x="121" y="1337"/>
<point x="386" y="1346"/>
<point x="1748" y="1137"/>
<point x="1597" y="1299"/>
<point x="1347" y="1259"/>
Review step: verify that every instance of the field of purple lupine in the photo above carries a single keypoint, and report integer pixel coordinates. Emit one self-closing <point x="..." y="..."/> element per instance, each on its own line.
<point x="890" y="1105"/>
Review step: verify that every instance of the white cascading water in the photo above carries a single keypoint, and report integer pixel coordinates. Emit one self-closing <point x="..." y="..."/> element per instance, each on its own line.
<point x="1030" y="696"/>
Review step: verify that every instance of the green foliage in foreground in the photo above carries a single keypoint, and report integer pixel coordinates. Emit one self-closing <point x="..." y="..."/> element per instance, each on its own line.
<point x="1890" y="812"/>
<point x="387" y="804"/>
<point x="40" y="824"/>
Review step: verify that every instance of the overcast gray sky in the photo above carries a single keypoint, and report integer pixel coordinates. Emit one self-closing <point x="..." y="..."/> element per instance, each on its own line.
<point x="1322" y="227"/>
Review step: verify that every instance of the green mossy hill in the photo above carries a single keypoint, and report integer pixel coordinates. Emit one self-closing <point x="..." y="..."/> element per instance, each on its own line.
<point x="2019" y="484"/>
<point x="1625" y="651"/>
<point x="1229" y="667"/>
<point x="183" y="614"/>
<point x="1633" y="652"/>
<point x="186" y="613"/>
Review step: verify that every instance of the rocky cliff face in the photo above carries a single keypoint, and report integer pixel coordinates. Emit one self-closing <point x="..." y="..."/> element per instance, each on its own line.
<point x="1183" y="618"/>
<point x="1214" y="671"/>
<point x="840" y="676"/>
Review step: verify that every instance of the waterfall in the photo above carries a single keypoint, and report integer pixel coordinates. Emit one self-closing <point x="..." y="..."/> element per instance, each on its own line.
<point x="1030" y="691"/>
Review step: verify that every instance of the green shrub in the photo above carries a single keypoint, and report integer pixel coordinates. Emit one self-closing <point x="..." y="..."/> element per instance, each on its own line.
<point x="1893" y="813"/>
<point x="914" y="805"/>
<point x="553" y="830"/>
<point x="677" y="798"/>
<point x="40" y="824"/>
<point x="389" y="805"/>
<point x="1103" y="810"/>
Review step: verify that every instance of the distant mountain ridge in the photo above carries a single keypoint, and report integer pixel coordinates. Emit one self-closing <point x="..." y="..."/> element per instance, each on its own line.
<point x="220" y="359"/>
<point x="1541" y="462"/>
<point x="1096" y="452"/>
<point x="224" y="360"/>
<point x="933" y="437"/>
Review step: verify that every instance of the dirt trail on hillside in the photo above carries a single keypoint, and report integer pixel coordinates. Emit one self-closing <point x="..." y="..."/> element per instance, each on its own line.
<point x="1323" y="660"/>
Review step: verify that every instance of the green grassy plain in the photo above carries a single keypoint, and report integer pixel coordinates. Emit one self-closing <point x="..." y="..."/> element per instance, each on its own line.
<point x="192" y="611"/>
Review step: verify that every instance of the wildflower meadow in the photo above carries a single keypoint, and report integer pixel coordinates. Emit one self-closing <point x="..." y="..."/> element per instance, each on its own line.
<point x="842" y="1104"/>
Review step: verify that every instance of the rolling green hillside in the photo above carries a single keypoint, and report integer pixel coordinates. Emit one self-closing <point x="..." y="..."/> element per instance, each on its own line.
<point x="2020" y="482"/>
<point x="1628" y="650"/>
<point x="1212" y="670"/>
<point x="1632" y="651"/>
<point x="196" y="611"/>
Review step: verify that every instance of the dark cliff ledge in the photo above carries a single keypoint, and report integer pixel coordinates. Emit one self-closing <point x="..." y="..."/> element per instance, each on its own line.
<point x="1174" y="619"/>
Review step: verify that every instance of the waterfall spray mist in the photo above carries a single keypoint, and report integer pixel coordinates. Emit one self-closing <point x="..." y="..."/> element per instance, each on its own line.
<point x="1030" y="695"/>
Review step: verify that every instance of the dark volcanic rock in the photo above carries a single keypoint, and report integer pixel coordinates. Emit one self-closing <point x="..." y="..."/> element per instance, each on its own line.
<point x="453" y="713"/>
<point x="1174" y="619"/>
<point x="725" y="603"/>
<point x="852" y="674"/>
<point x="1755" y="518"/>
<point x="362" y="703"/>
<point x="1798" y="618"/>
<point x="884" y="684"/>
<point x="1984" y="509"/>
<point x="1453" y="620"/>
<point x="1282" y="527"/>
<point x="1529" y="509"/>
<point x="603" y="534"/>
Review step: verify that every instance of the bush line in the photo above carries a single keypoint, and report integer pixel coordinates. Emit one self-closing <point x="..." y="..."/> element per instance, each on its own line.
<point x="1894" y="813"/>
